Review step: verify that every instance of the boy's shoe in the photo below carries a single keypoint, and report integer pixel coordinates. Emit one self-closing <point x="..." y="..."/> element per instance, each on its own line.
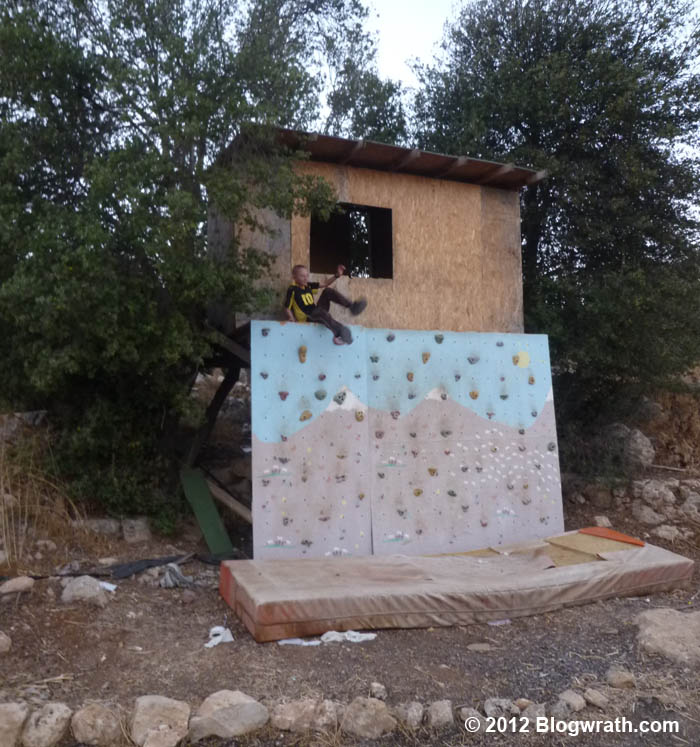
<point x="346" y="335"/>
<point x="338" y="341"/>
<point x="357" y="307"/>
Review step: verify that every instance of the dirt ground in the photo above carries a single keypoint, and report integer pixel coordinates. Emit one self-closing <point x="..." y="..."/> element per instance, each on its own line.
<point x="150" y="640"/>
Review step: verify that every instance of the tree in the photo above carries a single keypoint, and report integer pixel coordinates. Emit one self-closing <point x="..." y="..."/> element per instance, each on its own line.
<point x="605" y="95"/>
<point x="113" y="116"/>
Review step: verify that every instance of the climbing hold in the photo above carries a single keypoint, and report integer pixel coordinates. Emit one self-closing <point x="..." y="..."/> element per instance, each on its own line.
<point x="534" y="413"/>
<point x="263" y="374"/>
<point x="401" y="512"/>
<point x="302" y="354"/>
<point x="530" y="379"/>
<point x="458" y="377"/>
<point x="490" y="414"/>
<point x="306" y="542"/>
<point x="414" y="452"/>
<point x="443" y="396"/>
<point x="465" y="468"/>
<point x="409" y="376"/>
<point x="286" y="520"/>
<point x="516" y="360"/>
<point x="339" y="398"/>
<point x="526" y="500"/>
<point x="283" y="438"/>
<point x="321" y="377"/>
<point x="358" y="375"/>
<point x="474" y="394"/>
<point x="551" y="446"/>
<point x="340" y="455"/>
<point x="425" y="357"/>
<point x="473" y="359"/>
<point x="379" y="434"/>
<point x="340" y="478"/>
<point x="502" y="378"/>
<point x="525" y="486"/>
<point x="411" y="395"/>
<point x="522" y="447"/>
<point x="538" y="465"/>
<point x="452" y="493"/>
<point x="374" y="358"/>
<point x="417" y="492"/>
<point x="432" y="471"/>
<point x="283" y="395"/>
<point x="305" y="415"/>
<point x="504" y="396"/>
<point x="465" y="508"/>
<point x="265" y="331"/>
<point x="510" y="486"/>
<point x="375" y="377"/>
<point x="499" y="344"/>
<point x="380" y="475"/>
<point x="395" y="414"/>
<point x="521" y="431"/>
<point x="265" y="483"/>
<point x="390" y="338"/>
<point x="320" y="394"/>
<point x="412" y="435"/>
<point x="359" y="416"/>
<point x="484" y="523"/>
<point x="361" y="496"/>
<point x="447" y="452"/>
<point x="494" y="449"/>
<point x="445" y="433"/>
<point x="479" y="468"/>
<point x="439" y="339"/>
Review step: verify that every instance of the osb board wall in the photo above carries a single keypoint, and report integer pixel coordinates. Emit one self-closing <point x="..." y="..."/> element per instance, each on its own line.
<point x="456" y="251"/>
<point x="405" y="441"/>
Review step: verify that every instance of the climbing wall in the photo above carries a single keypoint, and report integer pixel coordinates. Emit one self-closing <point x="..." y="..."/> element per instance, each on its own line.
<point x="405" y="441"/>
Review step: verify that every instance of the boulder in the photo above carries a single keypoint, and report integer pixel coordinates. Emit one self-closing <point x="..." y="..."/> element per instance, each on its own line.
<point x="645" y="514"/>
<point x="471" y="720"/>
<point x="96" y="724"/>
<point x="595" y="698"/>
<point x="673" y="634"/>
<point x="84" y="589"/>
<point x="533" y="712"/>
<point x="368" y="718"/>
<point x="17" y="585"/>
<point x="659" y="494"/>
<point x="47" y="726"/>
<point x="158" y="721"/>
<point x="136" y="530"/>
<point x="602" y="521"/>
<point x="495" y="707"/>
<point x="12" y="719"/>
<point x="378" y="691"/>
<point x="108" y="527"/>
<point x="667" y="532"/>
<point x="227" y="714"/>
<point x="439" y="714"/>
<point x="410" y="714"/>
<point x="599" y="495"/>
<point x="573" y="700"/>
<point x="296" y="715"/>
<point x="638" y="451"/>
<point x="5" y="643"/>
<point x="620" y="678"/>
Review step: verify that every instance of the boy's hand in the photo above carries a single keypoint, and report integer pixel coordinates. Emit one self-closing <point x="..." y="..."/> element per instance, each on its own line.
<point x="340" y="270"/>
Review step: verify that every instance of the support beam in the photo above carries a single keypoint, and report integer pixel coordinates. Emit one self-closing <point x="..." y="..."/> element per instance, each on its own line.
<point x="536" y="177"/>
<point x="497" y="173"/>
<point x="356" y="148"/>
<point x="232" y="346"/>
<point x="405" y="160"/>
<point x="456" y="164"/>
<point x="230" y="502"/>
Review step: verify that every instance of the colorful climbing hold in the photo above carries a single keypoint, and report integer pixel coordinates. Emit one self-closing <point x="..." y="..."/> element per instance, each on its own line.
<point x="409" y="376"/>
<point x="445" y="433"/>
<point x="474" y="394"/>
<point x="320" y="394"/>
<point x="395" y="414"/>
<point x="263" y="374"/>
<point x="321" y="377"/>
<point x="432" y="471"/>
<point x="439" y="339"/>
<point x="375" y="377"/>
<point x="504" y="396"/>
<point x="306" y="415"/>
<point x="451" y="493"/>
<point x="361" y="496"/>
<point x="411" y="395"/>
<point x="358" y="375"/>
<point x="499" y="344"/>
<point x="283" y="395"/>
<point x="390" y="337"/>
<point x="379" y="434"/>
<point x="417" y="492"/>
<point x="425" y="357"/>
<point x="359" y="416"/>
<point x="530" y="379"/>
<point x="339" y="398"/>
<point x="265" y="331"/>
<point x="473" y="359"/>
<point x="374" y="358"/>
<point x="412" y="434"/>
<point x="516" y="360"/>
<point x="457" y="377"/>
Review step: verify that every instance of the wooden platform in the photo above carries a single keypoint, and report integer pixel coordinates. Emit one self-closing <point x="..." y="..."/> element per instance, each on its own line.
<point x="278" y="599"/>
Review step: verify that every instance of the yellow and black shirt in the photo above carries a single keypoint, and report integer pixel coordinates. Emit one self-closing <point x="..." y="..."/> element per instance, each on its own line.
<point x="300" y="300"/>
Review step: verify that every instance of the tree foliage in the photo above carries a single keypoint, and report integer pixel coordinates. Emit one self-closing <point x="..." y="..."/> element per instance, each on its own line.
<point x="113" y="116"/>
<point x="605" y="96"/>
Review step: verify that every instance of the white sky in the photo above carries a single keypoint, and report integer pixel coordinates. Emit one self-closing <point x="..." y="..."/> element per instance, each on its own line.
<point x="407" y="29"/>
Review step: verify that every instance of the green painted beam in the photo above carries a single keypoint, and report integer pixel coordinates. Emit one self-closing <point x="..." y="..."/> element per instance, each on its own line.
<point x="200" y="498"/>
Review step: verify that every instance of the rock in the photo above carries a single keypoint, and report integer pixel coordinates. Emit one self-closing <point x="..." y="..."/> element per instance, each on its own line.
<point x="84" y="589"/>
<point x="368" y="718"/>
<point x="188" y="596"/>
<point x="480" y="648"/>
<point x="667" y="532"/>
<point x="107" y="561"/>
<point x="377" y="690"/>
<point x="3" y="557"/>
<point x="673" y="634"/>
<point x="598" y="495"/>
<point x="523" y="703"/>
<point x="496" y="707"/>
<point x="645" y="514"/>
<point x="620" y="678"/>
<point x="560" y="710"/>
<point x="476" y="722"/>
<point x="5" y="643"/>
<point x="47" y="726"/>
<point x="48" y="545"/>
<point x="12" y="718"/>
<point x="657" y="493"/>
<point x="602" y="521"/>
<point x="410" y="714"/>
<point x="296" y="715"/>
<point x="108" y="527"/>
<point x="638" y="450"/>
<point x="533" y="712"/>
<point x="97" y="725"/>
<point x="16" y="585"/>
<point x="573" y="700"/>
<point x="439" y="714"/>
<point x="136" y="530"/>
<point x="596" y="698"/>
<point x="226" y="714"/>
<point x="158" y="721"/>
<point x="326" y="716"/>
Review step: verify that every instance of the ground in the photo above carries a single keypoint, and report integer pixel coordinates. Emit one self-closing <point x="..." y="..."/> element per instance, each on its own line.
<point x="150" y="640"/>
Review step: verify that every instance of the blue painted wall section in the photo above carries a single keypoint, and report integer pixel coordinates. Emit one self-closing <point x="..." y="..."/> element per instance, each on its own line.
<point x="405" y="441"/>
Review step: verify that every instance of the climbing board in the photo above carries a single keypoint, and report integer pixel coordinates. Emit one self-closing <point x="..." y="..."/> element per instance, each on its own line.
<point x="405" y="442"/>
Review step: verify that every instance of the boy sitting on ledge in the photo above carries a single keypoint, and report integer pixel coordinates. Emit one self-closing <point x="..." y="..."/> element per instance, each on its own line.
<point x="300" y="306"/>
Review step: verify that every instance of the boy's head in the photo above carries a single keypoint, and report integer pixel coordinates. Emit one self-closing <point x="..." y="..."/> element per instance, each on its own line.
<point x="300" y="274"/>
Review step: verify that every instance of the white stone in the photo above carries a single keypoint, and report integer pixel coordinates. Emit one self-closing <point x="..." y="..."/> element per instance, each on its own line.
<point x="226" y="714"/>
<point x="97" y="725"/>
<point x="3" y="557"/>
<point x="523" y="703"/>
<point x="296" y="715"/>
<point x="602" y="521"/>
<point x="158" y="721"/>
<point x="673" y="634"/>
<point x="410" y="714"/>
<point x="48" y="545"/>
<point x="12" y="718"/>
<point x="480" y="648"/>
<point x="47" y="726"/>
<point x="533" y="712"/>
<point x="368" y="718"/>
<point x="645" y="514"/>
<point x="136" y="530"/>
<point x="595" y="697"/>
<point x="5" y="643"/>
<point x="575" y="701"/>
<point x="377" y="690"/>
<point x="109" y="527"/>
<point x="495" y="707"/>
<point x="439" y="714"/>
<point x="638" y="450"/>
<point x="667" y="532"/>
<point x="84" y="589"/>
<point x="17" y="585"/>
<point x="326" y="716"/>
<point x="477" y="723"/>
<point x="620" y="678"/>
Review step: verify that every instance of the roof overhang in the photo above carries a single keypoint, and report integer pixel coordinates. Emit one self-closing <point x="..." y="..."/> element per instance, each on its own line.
<point x="366" y="154"/>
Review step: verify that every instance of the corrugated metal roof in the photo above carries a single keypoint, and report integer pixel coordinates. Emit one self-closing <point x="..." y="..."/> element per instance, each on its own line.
<point x="394" y="158"/>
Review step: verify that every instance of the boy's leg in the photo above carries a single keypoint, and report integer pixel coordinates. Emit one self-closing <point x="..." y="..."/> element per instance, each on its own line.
<point x="321" y="316"/>
<point x="330" y="295"/>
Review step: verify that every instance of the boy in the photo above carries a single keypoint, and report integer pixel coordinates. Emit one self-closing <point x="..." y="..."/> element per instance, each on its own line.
<point x="299" y="304"/>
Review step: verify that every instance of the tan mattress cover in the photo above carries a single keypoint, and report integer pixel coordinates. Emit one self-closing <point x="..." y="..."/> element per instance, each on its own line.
<point x="281" y="599"/>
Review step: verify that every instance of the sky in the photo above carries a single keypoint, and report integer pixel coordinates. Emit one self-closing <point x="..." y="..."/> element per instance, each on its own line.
<point x="407" y="29"/>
